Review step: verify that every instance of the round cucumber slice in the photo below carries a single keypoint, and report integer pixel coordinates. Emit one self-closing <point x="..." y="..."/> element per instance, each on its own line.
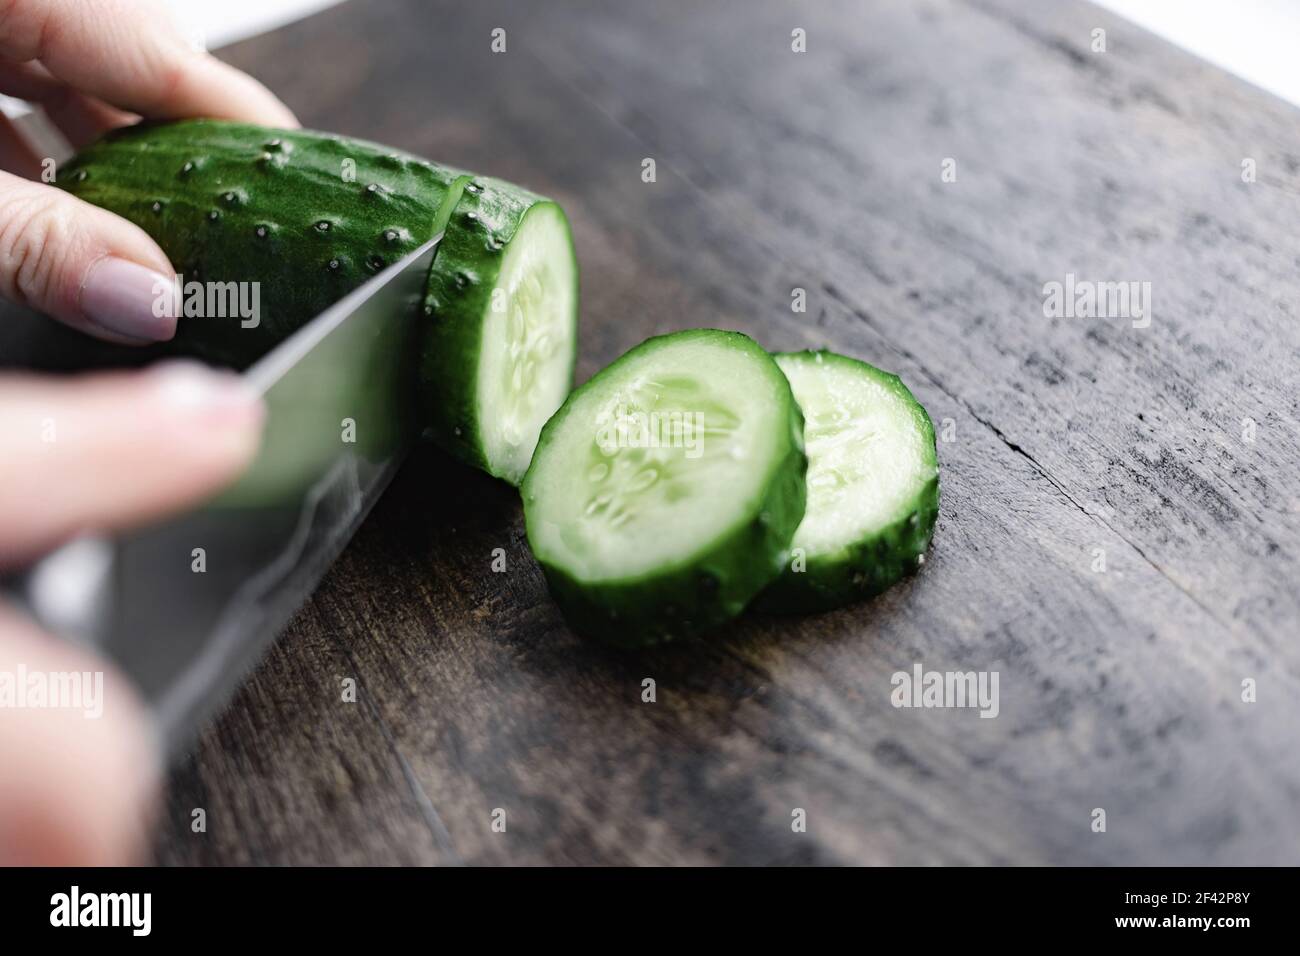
<point x="498" y="357"/>
<point x="664" y="493"/>
<point x="873" y="483"/>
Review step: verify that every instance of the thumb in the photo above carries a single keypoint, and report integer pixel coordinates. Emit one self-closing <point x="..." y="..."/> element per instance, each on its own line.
<point x="82" y="265"/>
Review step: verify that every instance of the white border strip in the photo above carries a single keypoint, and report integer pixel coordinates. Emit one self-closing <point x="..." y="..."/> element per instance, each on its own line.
<point x="1258" y="40"/>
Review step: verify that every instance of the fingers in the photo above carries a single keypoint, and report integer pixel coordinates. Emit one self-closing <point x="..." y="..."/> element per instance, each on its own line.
<point x="104" y="451"/>
<point x="81" y="118"/>
<point x="79" y="774"/>
<point x="80" y="264"/>
<point x="131" y="55"/>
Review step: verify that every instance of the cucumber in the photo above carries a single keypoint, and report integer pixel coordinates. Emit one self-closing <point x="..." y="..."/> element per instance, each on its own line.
<point x="309" y="216"/>
<point x="664" y="493"/>
<point x="873" y="483"/>
<point x="498" y="355"/>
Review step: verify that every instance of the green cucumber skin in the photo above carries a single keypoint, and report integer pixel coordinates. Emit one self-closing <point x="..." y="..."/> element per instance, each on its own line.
<point x="268" y="189"/>
<point x="708" y="590"/>
<point x="486" y="217"/>
<point x="868" y="567"/>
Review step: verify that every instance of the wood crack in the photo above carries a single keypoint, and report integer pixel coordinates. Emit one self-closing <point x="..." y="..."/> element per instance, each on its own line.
<point x="437" y="829"/>
<point x="1065" y="493"/>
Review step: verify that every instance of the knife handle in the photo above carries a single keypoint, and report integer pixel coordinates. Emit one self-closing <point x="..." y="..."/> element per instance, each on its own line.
<point x="68" y="591"/>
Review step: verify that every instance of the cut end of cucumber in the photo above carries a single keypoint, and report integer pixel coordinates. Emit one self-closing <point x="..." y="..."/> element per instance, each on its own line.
<point x="529" y="341"/>
<point x="868" y="448"/>
<point x="873" y="486"/>
<point x="662" y="450"/>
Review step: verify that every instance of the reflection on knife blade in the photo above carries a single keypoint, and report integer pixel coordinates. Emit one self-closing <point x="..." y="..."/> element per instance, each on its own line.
<point x="187" y="606"/>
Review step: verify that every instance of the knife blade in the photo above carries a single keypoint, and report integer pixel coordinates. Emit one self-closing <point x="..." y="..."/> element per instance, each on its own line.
<point x="187" y="606"/>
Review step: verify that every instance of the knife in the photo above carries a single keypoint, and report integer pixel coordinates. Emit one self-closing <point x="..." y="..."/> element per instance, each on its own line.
<point x="186" y="607"/>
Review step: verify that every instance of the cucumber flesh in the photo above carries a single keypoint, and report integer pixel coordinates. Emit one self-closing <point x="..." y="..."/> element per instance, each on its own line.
<point x="499" y="351"/>
<point x="664" y="493"/>
<point x="873" y="483"/>
<point x="526" y="368"/>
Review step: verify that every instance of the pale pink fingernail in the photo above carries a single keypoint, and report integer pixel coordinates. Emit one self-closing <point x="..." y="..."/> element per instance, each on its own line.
<point x="127" y="300"/>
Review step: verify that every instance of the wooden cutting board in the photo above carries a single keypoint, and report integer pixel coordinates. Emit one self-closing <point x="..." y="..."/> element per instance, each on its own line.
<point x="1120" y="528"/>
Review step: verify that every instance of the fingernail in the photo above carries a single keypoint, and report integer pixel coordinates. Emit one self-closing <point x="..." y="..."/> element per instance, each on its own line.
<point x="125" y="299"/>
<point x="191" y="389"/>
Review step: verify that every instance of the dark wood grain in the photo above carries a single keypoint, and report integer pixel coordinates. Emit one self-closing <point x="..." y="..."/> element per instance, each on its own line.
<point x="1119" y="690"/>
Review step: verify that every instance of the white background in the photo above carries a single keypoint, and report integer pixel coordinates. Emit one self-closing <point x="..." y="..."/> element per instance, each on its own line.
<point x="1259" y="40"/>
<point x="219" y="22"/>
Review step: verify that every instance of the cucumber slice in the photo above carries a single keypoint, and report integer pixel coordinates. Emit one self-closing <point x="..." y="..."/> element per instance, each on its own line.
<point x="664" y="493"/>
<point x="873" y="483"/>
<point x="498" y="355"/>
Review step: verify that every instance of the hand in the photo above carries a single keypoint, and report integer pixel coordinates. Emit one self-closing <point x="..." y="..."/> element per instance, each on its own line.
<point x="86" y="62"/>
<point x="103" y="451"/>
